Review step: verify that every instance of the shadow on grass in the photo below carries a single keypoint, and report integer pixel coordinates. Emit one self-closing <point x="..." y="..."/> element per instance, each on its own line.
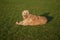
<point x="47" y="16"/>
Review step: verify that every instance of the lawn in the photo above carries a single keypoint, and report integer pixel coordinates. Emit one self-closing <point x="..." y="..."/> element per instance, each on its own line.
<point x="10" y="12"/>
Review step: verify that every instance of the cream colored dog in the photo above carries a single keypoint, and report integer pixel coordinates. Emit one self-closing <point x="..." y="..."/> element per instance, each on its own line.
<point x="29" y="19"/>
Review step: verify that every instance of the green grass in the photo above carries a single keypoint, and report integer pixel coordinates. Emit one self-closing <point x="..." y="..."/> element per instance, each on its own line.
<point x="10" y="12"/>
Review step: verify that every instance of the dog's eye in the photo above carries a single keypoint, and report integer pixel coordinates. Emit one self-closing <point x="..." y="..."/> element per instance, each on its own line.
<point x="24" y="13"/>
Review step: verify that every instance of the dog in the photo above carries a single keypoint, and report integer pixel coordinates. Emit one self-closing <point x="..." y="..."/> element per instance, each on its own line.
<point x="30" y="19"/>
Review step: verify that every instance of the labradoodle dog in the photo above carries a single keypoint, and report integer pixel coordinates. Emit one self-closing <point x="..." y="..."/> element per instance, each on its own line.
<point x="30" y="19"/>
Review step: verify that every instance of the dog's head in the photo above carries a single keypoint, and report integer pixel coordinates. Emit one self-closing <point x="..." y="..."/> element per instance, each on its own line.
<point x="25" y="14"/>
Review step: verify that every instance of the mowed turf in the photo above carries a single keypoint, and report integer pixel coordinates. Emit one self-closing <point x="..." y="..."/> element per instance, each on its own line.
<point x="10" y="12"/>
